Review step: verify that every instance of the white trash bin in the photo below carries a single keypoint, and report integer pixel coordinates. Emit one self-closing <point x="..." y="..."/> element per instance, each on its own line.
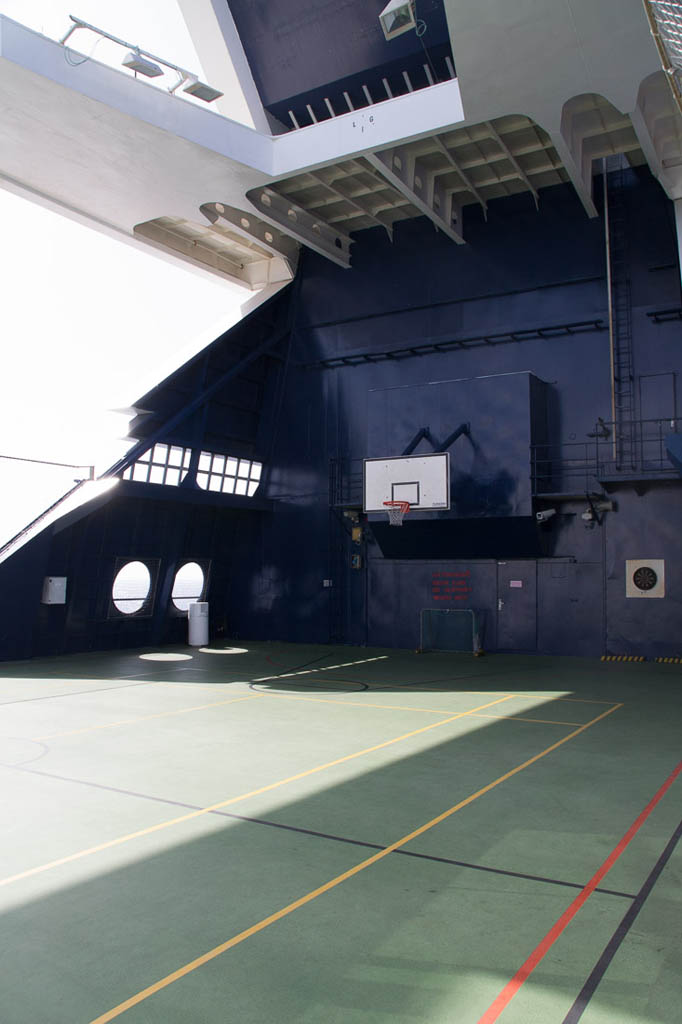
<point x="197" y="628"/>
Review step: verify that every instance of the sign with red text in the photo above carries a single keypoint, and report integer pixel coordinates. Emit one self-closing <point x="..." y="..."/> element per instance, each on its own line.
<point x="451" y="585"/>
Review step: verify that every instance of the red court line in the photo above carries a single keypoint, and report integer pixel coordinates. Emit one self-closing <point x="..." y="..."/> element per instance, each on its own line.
<point x="543" y="947"/>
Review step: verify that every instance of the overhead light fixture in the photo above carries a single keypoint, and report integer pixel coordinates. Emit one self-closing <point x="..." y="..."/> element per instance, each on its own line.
<point x="136" y="62"/>
<point x="397" y="17"/>
<point x="148" y="64"/>
<point x="202" y="91"/>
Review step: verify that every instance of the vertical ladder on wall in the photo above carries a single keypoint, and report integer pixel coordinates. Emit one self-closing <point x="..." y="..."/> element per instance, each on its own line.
<point x="620" y="317"/>
<point x="337" y="566"/>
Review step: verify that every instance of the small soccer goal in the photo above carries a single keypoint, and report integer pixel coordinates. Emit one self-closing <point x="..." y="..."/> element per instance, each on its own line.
<point x="450" y="629"/>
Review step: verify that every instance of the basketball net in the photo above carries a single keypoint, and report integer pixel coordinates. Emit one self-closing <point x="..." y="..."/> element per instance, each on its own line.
<point x="396" y="511"/>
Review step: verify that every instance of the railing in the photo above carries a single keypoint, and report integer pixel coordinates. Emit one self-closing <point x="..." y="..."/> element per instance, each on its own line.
<point x="582" y="465"/>
<point x="571" y="467"/>
<point x="345" y="482"/>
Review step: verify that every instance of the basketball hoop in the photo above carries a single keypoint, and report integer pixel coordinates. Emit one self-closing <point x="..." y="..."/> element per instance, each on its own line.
<point x="396" y="510"/>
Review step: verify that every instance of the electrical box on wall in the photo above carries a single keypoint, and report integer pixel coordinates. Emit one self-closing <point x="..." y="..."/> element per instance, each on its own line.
<point x="645" y="577"/>
<point x="54" y="590"/>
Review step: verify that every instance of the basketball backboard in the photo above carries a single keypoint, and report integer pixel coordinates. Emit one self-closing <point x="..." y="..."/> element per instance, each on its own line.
<point x="423" y="480"/>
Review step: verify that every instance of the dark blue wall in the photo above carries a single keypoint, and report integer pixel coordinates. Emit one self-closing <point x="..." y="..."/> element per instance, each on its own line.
<point x="521" y="269"/>
<point x="557" y="588"/>
<point x="301" y="51"/>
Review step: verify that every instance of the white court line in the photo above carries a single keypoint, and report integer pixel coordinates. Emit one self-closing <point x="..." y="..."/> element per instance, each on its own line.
<point x="314" y="671"/>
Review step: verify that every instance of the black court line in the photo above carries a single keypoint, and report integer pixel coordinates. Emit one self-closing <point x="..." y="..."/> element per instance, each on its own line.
<point x="602" y="965"/>
<point x="320" y="835"/>
<point x="322" y="686"/>
<point x="72" y="693"/>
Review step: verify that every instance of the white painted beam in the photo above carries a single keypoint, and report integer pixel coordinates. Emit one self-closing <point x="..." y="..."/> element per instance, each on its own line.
<point x="428" y="195"/>
<point x="311" y="231"/>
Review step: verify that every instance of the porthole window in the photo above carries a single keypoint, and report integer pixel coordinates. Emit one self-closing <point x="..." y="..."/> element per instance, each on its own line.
<point x="188" y="585"/>
<point x="131" y="588"/>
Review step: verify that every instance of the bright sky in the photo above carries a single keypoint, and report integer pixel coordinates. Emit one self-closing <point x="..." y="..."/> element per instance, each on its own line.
<point x="88" y="323"/>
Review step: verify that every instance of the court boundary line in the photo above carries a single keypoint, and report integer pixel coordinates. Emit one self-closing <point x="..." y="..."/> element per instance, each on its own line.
<point x="402" y="707"/>
<point x="290" y="696"/>
<point x="150" y="830"/>
<point x="542" y="948"/>
<point x="616" y="940"/>
<point x="146" y="718"/>
<point x="247" y="933"/>
<point x="317" y="834"/>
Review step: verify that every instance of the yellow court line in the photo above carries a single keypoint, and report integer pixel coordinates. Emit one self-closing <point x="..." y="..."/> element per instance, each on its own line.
<point x="361" y="703"/>
<point x="522" y="718"/>
<point x="546" y="698"/>
<point x="428" y="711"/>
<point x="181" y="972"/>
<point x="526" y="696"/>
<point x="146" y="718"/>
<point x="40" y="868"/>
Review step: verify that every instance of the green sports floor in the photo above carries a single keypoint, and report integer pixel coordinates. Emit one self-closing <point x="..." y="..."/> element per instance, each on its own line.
<point x="335" y="835"/>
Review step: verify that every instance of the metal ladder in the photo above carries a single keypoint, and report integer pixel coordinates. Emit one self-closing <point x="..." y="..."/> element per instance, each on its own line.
<point x="624" y="413"/>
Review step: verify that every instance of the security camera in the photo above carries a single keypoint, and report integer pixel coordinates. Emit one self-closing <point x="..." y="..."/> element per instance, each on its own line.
<point x="546" y="514"/>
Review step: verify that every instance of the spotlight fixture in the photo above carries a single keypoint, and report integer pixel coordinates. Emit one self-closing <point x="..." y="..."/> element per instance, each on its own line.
<point x="136" y="62"/>
<point x="397" y="17"/>
<point x="202" y="91"/>
<point x="148" y="64"/>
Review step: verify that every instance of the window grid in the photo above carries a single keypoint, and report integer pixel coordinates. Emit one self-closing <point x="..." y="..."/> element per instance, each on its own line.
<point x="168" y="465"/>
<point x="165" y="464"/>
<point x="228" y="474"/>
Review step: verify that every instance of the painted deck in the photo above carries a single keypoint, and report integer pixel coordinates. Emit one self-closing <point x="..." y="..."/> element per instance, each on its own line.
<point x="313" y="834"/>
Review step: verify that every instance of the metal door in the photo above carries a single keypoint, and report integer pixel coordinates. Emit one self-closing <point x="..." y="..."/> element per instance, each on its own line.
<point x="516" y="606"/>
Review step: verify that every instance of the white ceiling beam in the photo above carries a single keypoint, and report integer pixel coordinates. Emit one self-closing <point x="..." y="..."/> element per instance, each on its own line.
<point x="470" y="187"/>
<point x="293" y="220"/>
<point x="353" y="201"/>
<point x="514" y="162"/>
<point x="254" y="231"/>
<point x="399" y="168"/>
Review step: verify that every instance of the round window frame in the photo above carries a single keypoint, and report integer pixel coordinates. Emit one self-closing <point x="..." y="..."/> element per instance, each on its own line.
<point x="145" y="603"/>
<point x="204" y="566"/>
